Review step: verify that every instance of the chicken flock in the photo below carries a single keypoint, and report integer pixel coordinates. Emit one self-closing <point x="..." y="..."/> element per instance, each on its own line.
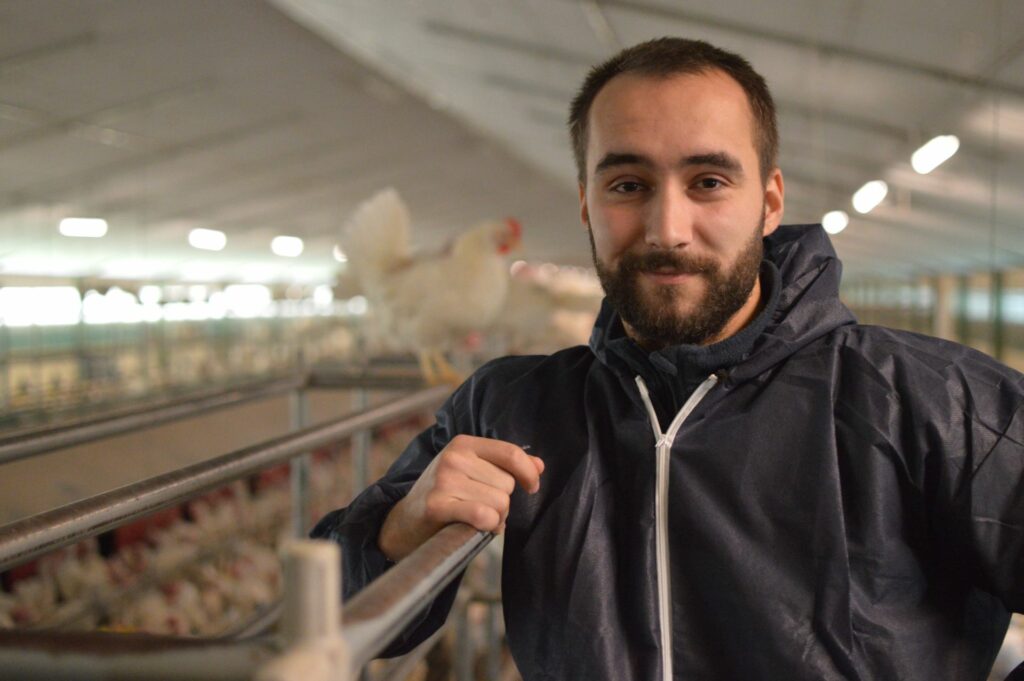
<point x="433" y="304"/>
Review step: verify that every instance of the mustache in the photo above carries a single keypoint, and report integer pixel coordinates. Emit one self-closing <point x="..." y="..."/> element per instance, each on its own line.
<point x="667" y="262"/>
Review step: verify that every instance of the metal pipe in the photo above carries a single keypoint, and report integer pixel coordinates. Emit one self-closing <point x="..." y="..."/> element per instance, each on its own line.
<point x="493" y="637"/>
<point x="300" y="466"/>
<point x="372" y="619"/>
<point x="401" y="668"/>
<point x="379" y="613"/>
<point x="360" y="449"/>
<point x="30" y="444"/>
<point x="34" y="656"/>
<point x="465" y="646"/>
<point x="383" y="378"/>
<point x="25" y="539"/>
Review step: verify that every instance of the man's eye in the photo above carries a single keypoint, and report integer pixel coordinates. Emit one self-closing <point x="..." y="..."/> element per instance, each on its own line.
<point x="709" y="183"/>
<point x="627" y="187"/>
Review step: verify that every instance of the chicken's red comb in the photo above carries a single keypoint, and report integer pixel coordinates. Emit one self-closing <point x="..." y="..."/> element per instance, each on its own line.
<point x="514" y="227"/>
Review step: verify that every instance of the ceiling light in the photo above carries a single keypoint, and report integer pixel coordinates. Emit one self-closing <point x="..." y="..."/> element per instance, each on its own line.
<point x="869" y="196"/>
<point x="339" y="254"/>
<point x="934" y="153"/>
<point x="286" y="246"/>
<point x="150" y="294"/>
<point x="83" y="227"/>
<point x="835" y="221"/>
<point x="207" y="239"/>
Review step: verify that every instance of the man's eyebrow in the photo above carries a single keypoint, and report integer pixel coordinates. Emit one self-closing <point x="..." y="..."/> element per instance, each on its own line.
<point x="718" y="159"/>
<point x="612" y="159"/>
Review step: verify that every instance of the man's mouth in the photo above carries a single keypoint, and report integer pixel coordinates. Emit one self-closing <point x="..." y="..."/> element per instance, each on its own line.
<point x="667" y="275"/>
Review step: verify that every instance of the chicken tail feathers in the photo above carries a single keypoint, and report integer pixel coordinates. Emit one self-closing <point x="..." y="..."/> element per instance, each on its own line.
<point x="376" y="237"/>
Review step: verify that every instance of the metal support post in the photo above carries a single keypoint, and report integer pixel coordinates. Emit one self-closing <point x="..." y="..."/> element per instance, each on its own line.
<point x="360" y="445"/>
<point x="493" y="588"/>
<point x="300" y="466"/>
<point x="997" y="317"/>
<point x="464" y="648"/>
<point x="963" y="292"/>
<point x="311" y="621"/>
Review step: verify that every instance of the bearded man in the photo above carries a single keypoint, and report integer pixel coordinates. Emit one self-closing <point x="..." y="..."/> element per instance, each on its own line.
<point x="734" y="480"/>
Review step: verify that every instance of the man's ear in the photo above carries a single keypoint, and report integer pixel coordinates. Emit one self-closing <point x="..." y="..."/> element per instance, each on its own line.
<point x="774" y="201"/>
<point x="584" y="213"/>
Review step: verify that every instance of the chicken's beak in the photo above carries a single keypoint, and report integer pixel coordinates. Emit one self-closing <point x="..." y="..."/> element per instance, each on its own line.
<point x="512" y="238"/>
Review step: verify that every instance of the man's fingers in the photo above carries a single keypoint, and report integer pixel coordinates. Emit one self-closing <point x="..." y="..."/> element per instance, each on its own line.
<point x="480" y="516"/>
<point x="475" y="468"/>
<point x="480" y="493"/>
<point x="507" y="457"/>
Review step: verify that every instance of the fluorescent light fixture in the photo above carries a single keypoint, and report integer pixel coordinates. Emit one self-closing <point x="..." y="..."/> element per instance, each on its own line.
<point x="835" y="221"/>
<point x="260" y="274"/>
<point x="83" y="227"/>
<point x="200" y="272"/>
<point x="207" y="239"/>
<point x="286" y="246"/>
<point x="323" y="296"/>
<point x="196" y="293"/>
<point x="40" y="306"/>
<point x="357" y="305"/>
<point x="150" y="294"/>
<point x="869" y="196"/>
<point x="934" y="153"/>
<point x="339" y="254"/>
<point x="247" y="300"/>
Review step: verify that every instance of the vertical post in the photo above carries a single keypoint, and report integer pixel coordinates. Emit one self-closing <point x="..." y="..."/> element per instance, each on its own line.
<point x="463" y="642"/>
<point x="963" y="332"/>
<point x="998" y="330"/>
<point x="360" y="445"/>
<point x="312" y="591"/>
<point x="5" y="365"/>
<point x="493" y="589"/>
<point x="300" y="465"/>
<point x="311" y="622"/>
<point x="943" y="319"/>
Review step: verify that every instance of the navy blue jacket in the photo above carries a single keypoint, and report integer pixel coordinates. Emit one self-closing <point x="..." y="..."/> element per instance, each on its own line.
<point x="842" y="502"/>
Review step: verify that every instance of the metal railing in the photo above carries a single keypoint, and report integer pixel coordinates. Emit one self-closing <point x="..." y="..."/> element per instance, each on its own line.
<point x="374" y="617"/>
<point x="25" y="539"/>
<point x="325" y="376"/>
<point x="44" y="441"/>
<point x="315" y="643"/>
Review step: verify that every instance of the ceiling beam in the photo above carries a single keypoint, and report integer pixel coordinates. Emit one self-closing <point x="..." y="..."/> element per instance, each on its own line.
<point x="51" y="125"/>
<point x="81" y="182"/>
<point x="828" y="49"/>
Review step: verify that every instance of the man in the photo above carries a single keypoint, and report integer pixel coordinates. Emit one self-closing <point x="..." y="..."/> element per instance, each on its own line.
<point x="734" y="480"/>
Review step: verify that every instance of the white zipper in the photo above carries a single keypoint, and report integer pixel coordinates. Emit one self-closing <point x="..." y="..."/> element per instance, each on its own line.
<point x="663" y="449"/>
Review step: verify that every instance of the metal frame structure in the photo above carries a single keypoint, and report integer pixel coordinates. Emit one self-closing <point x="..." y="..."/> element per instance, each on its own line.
<point x="310" y="634"/>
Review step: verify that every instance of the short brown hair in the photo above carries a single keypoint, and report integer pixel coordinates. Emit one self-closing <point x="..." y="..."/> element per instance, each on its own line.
<point x="666" y="57"/>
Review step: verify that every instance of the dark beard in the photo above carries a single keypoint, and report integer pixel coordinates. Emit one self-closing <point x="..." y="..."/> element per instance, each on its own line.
<point x="653" y="318"/>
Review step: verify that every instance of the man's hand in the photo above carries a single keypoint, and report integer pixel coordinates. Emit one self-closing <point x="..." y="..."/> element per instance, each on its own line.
<point x="470" y="481"/>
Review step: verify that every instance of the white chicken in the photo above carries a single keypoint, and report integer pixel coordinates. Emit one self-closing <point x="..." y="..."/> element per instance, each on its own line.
<point x="547" y="309"/>
<point x="428" y="303"/>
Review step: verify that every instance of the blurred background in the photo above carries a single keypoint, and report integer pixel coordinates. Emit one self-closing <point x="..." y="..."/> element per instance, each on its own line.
<point x="175" y="178"/>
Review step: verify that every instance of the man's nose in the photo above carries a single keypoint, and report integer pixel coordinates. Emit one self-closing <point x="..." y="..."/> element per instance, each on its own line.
<point x="670" y="218"/>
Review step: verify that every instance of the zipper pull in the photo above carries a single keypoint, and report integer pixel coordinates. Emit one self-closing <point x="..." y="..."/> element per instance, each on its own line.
<point x="664" y="441"/>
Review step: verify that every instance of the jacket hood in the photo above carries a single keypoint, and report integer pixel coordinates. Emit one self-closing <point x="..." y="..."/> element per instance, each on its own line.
<point x="808" y="304"/>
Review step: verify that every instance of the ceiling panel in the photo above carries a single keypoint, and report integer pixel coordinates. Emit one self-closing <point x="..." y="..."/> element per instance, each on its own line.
<point x="257" y="118"/>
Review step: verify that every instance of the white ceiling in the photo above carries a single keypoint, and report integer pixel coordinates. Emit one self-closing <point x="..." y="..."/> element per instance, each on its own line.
<point x="162" y="116"/>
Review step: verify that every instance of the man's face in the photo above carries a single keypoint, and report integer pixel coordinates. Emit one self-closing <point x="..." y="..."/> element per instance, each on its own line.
<point x="676" y="207"/>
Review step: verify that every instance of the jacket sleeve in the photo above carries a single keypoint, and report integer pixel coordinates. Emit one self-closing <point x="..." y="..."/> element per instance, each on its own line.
<point x="977" y="423"/>
<point x="991" y="498"/>
<point x="355" y="529"/>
